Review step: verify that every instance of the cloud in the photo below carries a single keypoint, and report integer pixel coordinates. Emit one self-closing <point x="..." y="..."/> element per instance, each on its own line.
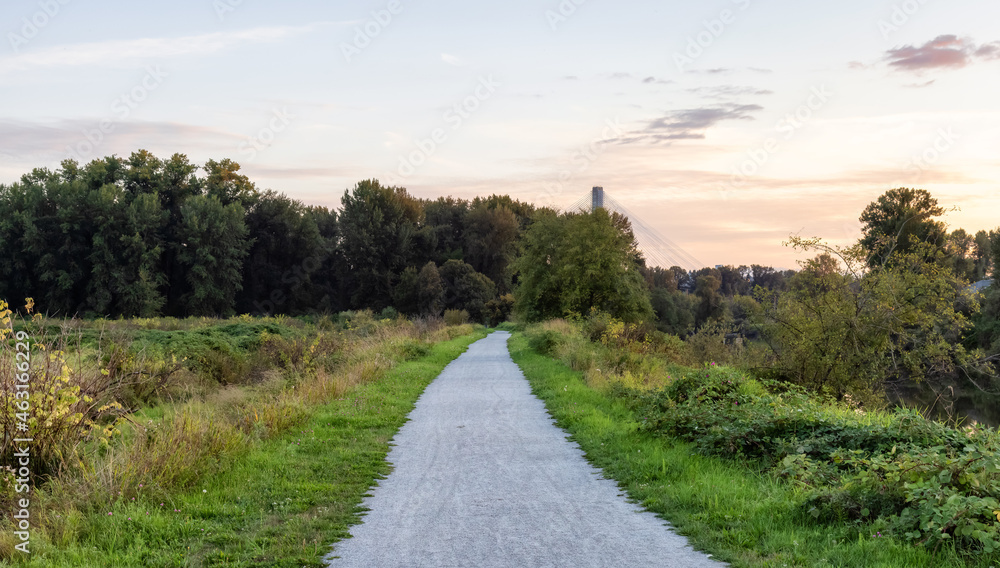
<point x="921" y="85"/>
<point x="27" y="141"/>
<point x="714" y="71"/>
<point x="989" y="51"/>
<point x="121" y="52"/>
<point x="943" y="52"/>
<point x="721" y="91"/>
<point x="689" y="124"/>
<point x="948" y="51"/>
<point x="453" y="60"/>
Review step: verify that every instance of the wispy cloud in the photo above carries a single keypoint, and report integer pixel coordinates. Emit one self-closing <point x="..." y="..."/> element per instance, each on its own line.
<point x="453" y="60"/>
<point x="689" y="124"/>
<point x="121" y="52"/>
<point x="25" y="140"/>
<point x="721" y="91"/>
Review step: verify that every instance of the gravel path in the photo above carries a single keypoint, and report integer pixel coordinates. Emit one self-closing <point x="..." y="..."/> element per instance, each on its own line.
<point x="482" y="477"/>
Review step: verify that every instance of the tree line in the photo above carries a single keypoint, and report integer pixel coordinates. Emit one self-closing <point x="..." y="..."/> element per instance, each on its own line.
<point x="144" y="236"/>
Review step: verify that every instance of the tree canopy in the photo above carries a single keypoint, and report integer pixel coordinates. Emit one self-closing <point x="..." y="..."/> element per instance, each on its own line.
<point x="575" y="262"/>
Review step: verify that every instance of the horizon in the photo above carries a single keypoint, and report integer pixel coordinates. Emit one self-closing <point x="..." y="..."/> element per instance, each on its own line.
<point x="727" y="127"/>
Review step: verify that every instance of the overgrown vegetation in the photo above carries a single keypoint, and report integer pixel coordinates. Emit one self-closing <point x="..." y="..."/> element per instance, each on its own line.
<point x="809" y="482"/>
<point x="131" y="412"/>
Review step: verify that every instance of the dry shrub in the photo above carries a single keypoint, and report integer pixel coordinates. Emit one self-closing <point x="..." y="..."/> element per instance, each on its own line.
<point x="323" y="388"/>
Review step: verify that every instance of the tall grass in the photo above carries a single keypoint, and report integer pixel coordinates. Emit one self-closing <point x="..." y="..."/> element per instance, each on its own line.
<point x="115" y="402"/>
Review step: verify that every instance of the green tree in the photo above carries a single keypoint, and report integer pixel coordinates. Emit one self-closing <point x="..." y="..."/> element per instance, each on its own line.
<point x="491" y="241"/>
<point x="430" y="291"/>
<point x="844" y="329"/>
<point x="983" y="263"/>
<point x="445" y="218"/>
<point x="466" y="289"/>
<point x="378" y="227"/>
<point x="224" y="182"/>
<point x="710" y="305"/>
<point x="675" y="311"/>
<point x="211" y="244"/>
<point x="286" y="258"/>
<point x="575" y="262"/>
<point x="898" y="221"/>
<point x="406" y="294"/>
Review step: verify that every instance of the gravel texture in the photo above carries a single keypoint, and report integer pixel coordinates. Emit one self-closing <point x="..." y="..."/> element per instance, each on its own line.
<point x="482" y="477"/>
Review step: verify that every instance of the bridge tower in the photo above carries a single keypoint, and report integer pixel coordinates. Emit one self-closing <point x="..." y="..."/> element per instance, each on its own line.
<point x="597" y="198"/>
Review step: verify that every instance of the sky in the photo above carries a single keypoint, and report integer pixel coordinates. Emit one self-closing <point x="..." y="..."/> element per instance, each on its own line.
<point x="725" y="125"/>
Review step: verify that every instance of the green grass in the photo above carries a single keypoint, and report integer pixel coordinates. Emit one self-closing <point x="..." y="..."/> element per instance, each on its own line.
<point x="736" y="513"/>
<point x="282" y="503"/>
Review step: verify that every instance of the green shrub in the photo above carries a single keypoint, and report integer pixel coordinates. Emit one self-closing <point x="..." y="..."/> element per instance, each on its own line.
<point x="545" y="341"/>
<point x="925" y="481"/>
<point x="456" y="317"/>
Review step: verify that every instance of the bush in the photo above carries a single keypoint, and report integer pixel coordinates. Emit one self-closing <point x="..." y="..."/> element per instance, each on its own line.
<point x="545" y="341"/>
<point x="456" y="317"/>
<point x="927" y="482"/>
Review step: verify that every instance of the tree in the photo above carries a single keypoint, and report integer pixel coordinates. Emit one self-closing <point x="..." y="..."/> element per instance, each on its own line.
<point x="406" y="294"/>
<point x="445" y="218"/>
<point x="675" y="311"/>
<point x="844" y="329"/>
<point x="210" y="246"/>
<point x="982" y="255"/>
<point x="225" y="183"/>
<point x="576" y="262"/>
<point x="284" y="262"/>
<point x="490" y="242"/>
<point x="710" y="306"/>
<point x="466" y="289"/>
<point x="898" y="221"/>
<point x="378" y="225"/>
<point x="430" y="291"/>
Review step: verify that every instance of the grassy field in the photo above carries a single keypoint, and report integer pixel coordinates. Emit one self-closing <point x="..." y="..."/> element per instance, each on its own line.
<point x="732" y="509"/>
<point x="264" y="466"/>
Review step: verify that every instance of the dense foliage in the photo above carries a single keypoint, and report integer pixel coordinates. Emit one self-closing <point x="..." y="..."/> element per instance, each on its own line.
<point x="575" y="262"/>
<point x="892" y="474"/>
<point x="142" y="236"/>
<point x="919" y="480"/>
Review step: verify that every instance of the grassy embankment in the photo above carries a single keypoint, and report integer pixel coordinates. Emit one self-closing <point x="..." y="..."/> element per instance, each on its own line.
<point x="749" y="470"/>
<point x="254" y="451"/>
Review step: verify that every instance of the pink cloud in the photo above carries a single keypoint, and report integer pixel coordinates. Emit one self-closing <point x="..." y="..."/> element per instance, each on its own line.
<point x="947" y="51"/>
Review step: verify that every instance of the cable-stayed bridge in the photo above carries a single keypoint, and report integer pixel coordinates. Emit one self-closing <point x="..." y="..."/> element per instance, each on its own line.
<point x="656" y="248"/>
